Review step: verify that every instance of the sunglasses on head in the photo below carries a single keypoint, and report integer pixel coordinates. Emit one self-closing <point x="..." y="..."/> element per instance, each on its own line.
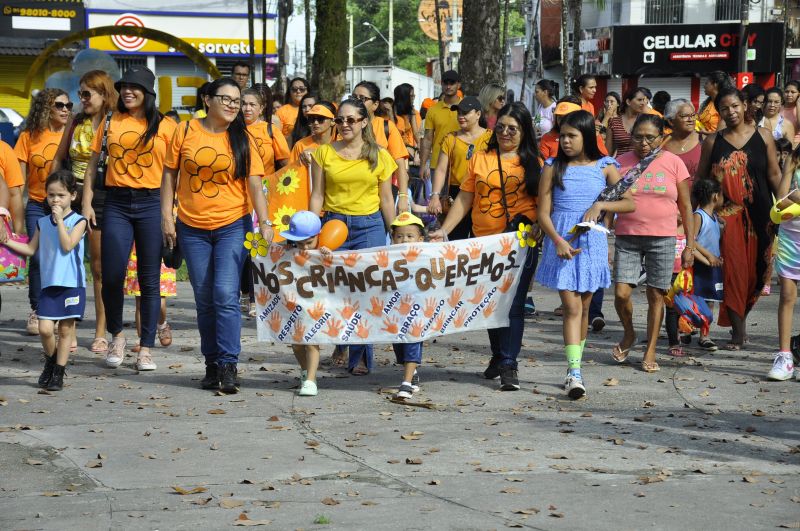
<point x="60" y="105"/>
<point x="349" y="120"/>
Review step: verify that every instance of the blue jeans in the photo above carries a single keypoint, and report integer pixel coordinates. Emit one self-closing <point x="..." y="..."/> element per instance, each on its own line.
<point x="506" y="342"/>
<point x="215" y="259"/>
<point x="362" y="232"/>
<point x="596" y="305"/>
<point x="408" y="352"/>
<point x="34" y="211"/>
<point x="132" y="216"/>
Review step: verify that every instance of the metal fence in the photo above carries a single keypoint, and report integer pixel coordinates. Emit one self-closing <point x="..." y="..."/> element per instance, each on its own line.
<point x="728" y="10"/>
<point x="664" y="11"/>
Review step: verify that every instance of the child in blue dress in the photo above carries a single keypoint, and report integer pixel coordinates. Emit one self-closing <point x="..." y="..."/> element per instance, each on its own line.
<point x="568" y="191"/>
<point x="59" y="239"/>
<point x="707" y="194"/>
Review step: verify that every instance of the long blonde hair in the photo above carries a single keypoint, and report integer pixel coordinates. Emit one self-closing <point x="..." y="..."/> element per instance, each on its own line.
<point x="41" y="107"/>
<point x="370" y="149"/>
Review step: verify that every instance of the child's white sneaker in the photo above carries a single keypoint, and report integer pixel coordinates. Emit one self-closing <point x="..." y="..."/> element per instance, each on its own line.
<point x="405" y="392"/>
<point x="308" y="388"/>
<point x="782" y="367"/>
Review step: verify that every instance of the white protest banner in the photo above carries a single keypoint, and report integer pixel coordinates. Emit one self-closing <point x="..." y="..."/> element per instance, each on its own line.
<point x="398" y="294"/>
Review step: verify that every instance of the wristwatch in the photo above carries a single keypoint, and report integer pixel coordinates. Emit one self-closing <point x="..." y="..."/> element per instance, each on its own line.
<point x="265" y="222"/>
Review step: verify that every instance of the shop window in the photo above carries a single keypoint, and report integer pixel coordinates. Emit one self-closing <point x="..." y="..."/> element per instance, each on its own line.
<point x="728" y="10"/>
<point x="616" y="12"/>
<point x="664" y="11"/>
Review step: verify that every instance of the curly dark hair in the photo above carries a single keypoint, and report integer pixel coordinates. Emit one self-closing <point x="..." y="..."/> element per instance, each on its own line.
<point x="39" y="116"/>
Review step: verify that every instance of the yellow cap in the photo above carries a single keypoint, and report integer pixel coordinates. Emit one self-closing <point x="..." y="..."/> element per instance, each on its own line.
<point x="320" y="110"/>
<point x="566" y="107"/>
<point x="407" y="218"/>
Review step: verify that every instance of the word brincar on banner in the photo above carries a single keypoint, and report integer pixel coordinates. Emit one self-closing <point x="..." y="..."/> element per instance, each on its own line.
<point x="398" y="294"/>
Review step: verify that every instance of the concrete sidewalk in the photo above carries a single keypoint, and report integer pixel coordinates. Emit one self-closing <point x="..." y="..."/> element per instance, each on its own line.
<point x="706" y="443"/>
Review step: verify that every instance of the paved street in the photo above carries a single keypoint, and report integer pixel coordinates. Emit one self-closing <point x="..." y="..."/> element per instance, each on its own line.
<point x="706" y="443"/>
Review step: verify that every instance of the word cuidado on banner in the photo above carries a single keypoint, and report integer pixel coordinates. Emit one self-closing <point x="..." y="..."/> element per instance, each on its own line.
<point x="397" y="294"/>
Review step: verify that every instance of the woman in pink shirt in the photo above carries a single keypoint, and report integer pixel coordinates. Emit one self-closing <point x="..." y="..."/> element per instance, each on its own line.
<point x="660" y="193"/>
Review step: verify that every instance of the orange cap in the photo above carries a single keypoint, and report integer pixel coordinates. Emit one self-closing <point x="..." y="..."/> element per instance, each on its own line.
<point x="427" y="103"/>
<point x="320" y="110"/>
<point x="566" y="107"/>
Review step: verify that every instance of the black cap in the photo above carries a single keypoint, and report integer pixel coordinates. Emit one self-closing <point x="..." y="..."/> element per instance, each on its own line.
<point x="138" y="75"/>
<point x="468" y="103"/>
<point x="452" y="76"/>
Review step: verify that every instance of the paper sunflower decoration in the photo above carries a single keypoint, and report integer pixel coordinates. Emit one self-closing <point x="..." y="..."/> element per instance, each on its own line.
<point x="525" y="235"/>
<point x="256" y="244"/>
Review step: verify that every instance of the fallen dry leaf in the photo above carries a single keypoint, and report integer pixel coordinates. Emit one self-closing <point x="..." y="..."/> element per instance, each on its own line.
<point x="434" y="482"/>
<point x="95" y="463"/>
<point x="511" y="490"/>
<point x="201" y="501"/>
<point x="750" y="479"/>
<point x="329" y="501"/>
<point x="51" y="494"/>
<point x="216" y="412"/>
<point x="368" y="503"/>
<point x="230" y="503"/>
<point x="413" y="460"/>
<point x="184" y="492"/>
<point x="34" y="462"/>
<point x="791" y="525"/>
<point x="243" y="520"/>
<point x="413" y="436"/>
<point x="611" y="382"/>
<point x="528" y="511"/>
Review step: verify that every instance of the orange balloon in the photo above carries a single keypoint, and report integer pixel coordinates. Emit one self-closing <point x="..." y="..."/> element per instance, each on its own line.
<point x="333" y="234"/>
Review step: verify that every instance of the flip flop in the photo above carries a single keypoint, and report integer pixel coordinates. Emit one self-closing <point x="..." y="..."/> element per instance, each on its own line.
<point x="676" y="351"/>
<point x="358" y="371"/>
<point x="559" y="312"/>
<point x="100" y="344"/>
<point x="650" y="366"/>
<point x="619" y="355"/>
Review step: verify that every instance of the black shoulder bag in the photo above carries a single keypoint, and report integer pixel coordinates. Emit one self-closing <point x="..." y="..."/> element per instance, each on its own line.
<point x="100" y="173"/>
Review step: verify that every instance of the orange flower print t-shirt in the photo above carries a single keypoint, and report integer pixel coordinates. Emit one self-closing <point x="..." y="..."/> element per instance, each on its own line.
<point x="488" y="213"/>
<point x="270" y="148"/>
<point x="209" y="194"/>
<point x="131" y="162"/>
<point x="37" y="151"/>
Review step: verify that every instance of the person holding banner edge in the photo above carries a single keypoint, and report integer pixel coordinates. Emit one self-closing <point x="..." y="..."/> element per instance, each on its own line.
<point x="220" y="185"/>
<point x="497" y="202"/>
<point x="351" y="182"/>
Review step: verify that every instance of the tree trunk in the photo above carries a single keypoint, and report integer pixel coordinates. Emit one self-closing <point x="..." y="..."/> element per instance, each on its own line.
<point x="285" y="8"/>
<point x="307" y="14"/>
<point x="480" y="45"/>
<point x="576" y="10"/>
<point x="330" y="49"/>
<point x="440" y="42"/>
<point x="564" y="43"/>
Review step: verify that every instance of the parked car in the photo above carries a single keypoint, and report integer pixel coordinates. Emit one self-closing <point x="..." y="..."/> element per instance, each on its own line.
<point x="10" y="125"/>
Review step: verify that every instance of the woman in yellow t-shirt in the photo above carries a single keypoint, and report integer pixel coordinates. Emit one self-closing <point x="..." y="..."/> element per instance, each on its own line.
<point x="35" y="150"/>
<point x="137" y="137"/>
<point x="287" y="113"/>
<point x="320" y="118"/>
<point x="457" y="150"/>
<point x="98" y="97"/>
<point x="350" y="182"/>
<point x="496" y="200"/>
<point x="220" y="185"/>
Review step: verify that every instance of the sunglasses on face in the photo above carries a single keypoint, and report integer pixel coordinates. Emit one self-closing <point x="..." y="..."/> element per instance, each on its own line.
<point x="362" y="99"/>
<point x="317" y="119"/>
<point x="640" y="139"/>
<point x="60" y="105"/>
<point x="501" y="99"/>
<point x="298" y="89"/>
<point x="349" y="120"/>
<point x="506" y="129"/>
<point x="85" y="95"/>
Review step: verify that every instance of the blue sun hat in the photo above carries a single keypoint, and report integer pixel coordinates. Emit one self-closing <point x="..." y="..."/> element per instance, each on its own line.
<point x="303" y="225"/>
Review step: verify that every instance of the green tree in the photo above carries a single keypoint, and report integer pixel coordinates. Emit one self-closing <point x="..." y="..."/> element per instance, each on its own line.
<point x="481" y="58"/>
<point x="330" y="49"/>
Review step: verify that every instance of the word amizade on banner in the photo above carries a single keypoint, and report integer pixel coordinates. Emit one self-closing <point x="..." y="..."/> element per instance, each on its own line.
<point x="397" y="294"/>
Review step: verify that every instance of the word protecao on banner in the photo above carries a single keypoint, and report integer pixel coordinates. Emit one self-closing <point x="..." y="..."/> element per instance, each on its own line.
<point x="398" y="294"/>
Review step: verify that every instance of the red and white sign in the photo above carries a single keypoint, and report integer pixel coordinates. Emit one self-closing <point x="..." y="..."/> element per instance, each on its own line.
<point x="744" y="78"/>
<point x="129" y="43"/>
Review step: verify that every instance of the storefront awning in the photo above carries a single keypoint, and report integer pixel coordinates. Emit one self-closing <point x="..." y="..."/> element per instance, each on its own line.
<point x="33" y="47"/>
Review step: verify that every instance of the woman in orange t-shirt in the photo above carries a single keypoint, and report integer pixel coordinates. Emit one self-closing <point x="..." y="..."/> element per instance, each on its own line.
<point x="287" y="113"/>
<point x="496" y="201"/>
<point x="320" y="118"/>
<point x="370" y="95"/>
<point x="137" y="137"/>
<point x="35" y="150"/>
<point x="408" y="121"/>
<point x="220" y="185"/>
<point x="585" y="87"/>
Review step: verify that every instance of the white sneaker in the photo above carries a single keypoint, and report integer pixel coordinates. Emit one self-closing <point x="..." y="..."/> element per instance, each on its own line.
<point x="32" y="326"/>
<point x="145" y="362"/>
<point x="116" y="352"/>
<point x="308" y="388"/>
<point x="574" y="387"/>
<point x="782" y="367"/>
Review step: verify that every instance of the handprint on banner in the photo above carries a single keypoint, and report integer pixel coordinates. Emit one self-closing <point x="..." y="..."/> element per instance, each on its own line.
<point x="363" y="330"/>
<point x="377" y="307"/>
<point x="275" y="322"/>
<point x="449" y="252"/>
<point x="478" y="294"/>
<point x="262" y="296"/>
<point x="299" y="331"/>
<point x="506" y="243"/>
<point x="302" y="257"/>
<point x="430" y="307"/>
<point x="382" y="258"/>
<point x="276" y="252"/>
<point x="349" y="309"/>
<point x="290" y="301"/>
<point x="490" y="308"/>
<point x="327" y="260"/>
<point x="507" y="282"/>
<point x="316" y="311"/>
<point x="334" y="327"/>
<point x="390" y="325"/>
<point x="439" y="322"/>
<point x="455" y="297"/>
<point x="404" y="308"/>
<point x="416" y="328"/>
<point x="412" y="254"/>
<point x="351" y="259"/>
<point x="475" y="250"/>
<point x="461" y="316"/>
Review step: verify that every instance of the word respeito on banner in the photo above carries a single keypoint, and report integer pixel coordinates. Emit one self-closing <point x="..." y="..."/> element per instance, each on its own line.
<point x="398" y="294"/>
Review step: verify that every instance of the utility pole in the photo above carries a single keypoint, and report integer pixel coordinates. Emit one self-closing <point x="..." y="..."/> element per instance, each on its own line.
<point x="391" y="32"/>
<point x="744" y="21"/>
<point x="252" y="40"/>
<point x="439" y="35"/>
<point x="350" y="46"/>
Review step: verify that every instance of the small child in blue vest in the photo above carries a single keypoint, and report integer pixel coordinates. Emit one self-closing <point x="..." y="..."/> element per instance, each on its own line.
<point x="59" y="239"/>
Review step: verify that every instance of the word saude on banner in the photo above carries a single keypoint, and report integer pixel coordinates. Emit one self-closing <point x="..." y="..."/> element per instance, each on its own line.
<point x="398" y="294"/>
